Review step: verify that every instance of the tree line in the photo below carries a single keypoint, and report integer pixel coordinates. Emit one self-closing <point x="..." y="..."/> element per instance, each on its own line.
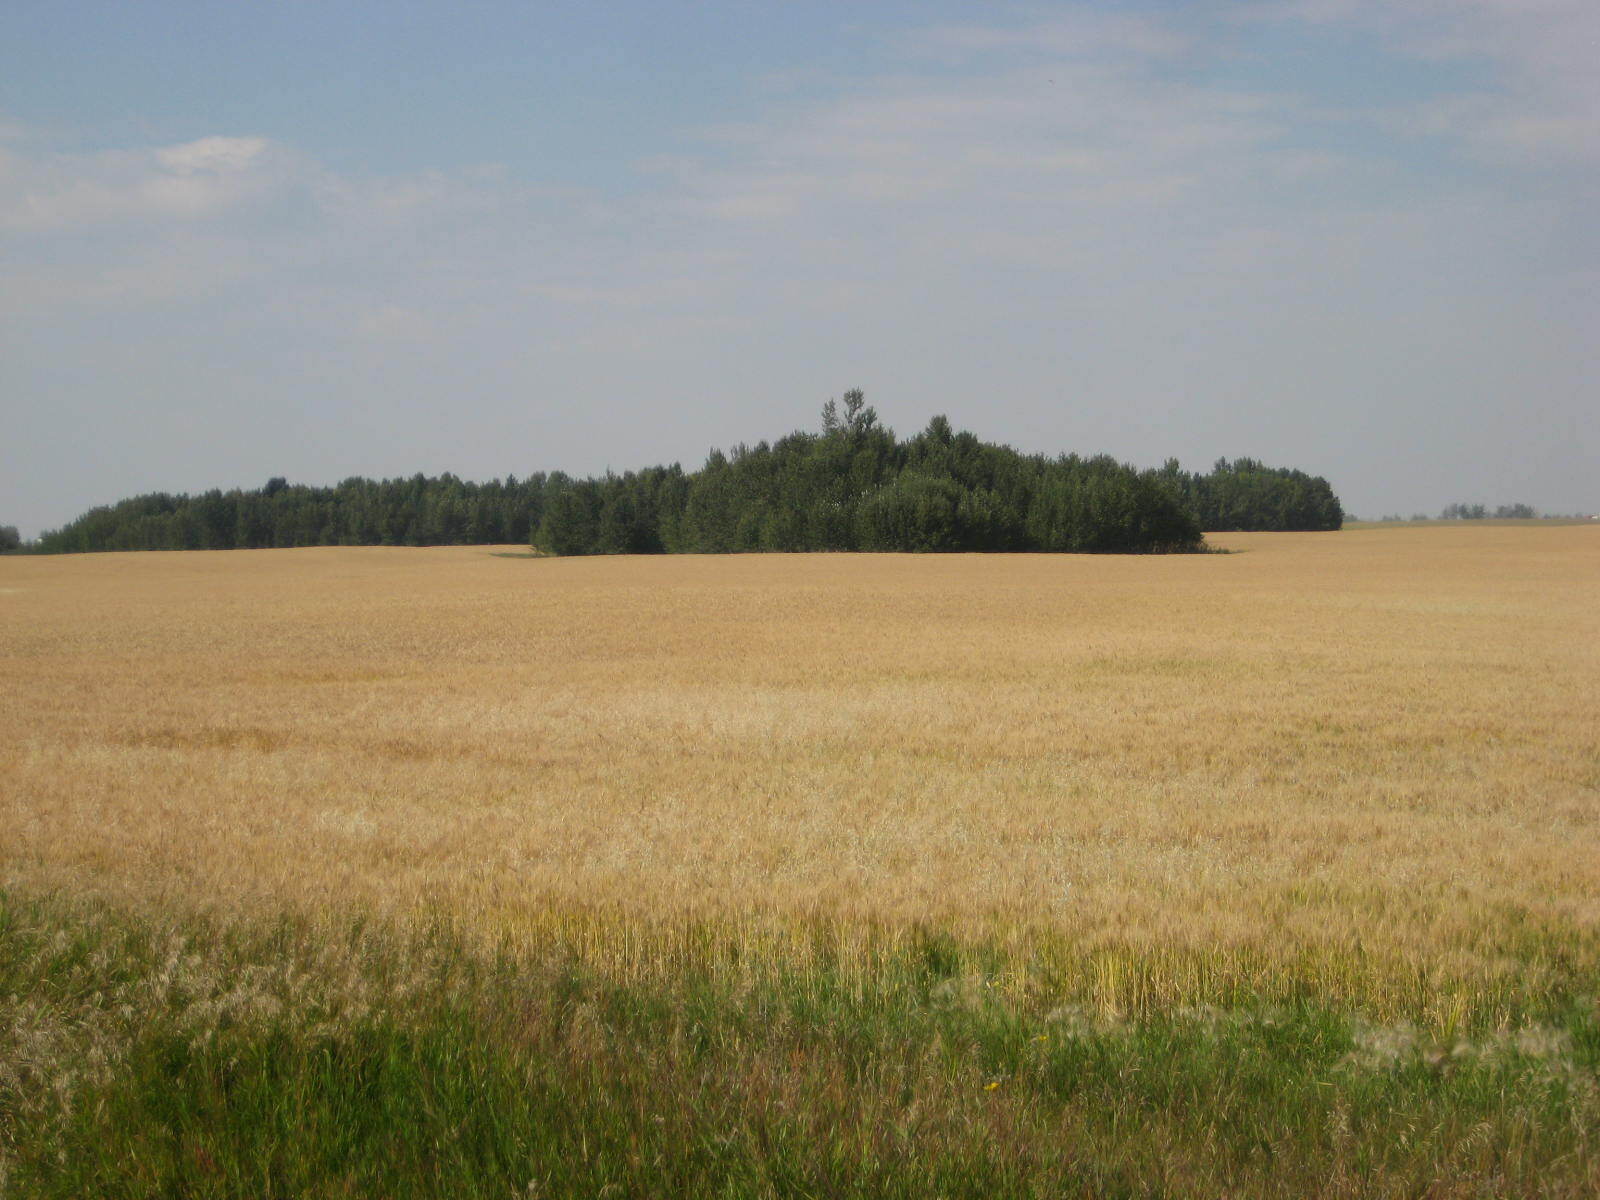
<point x="419" y="511"/>
<point x="851" y="486"/>
<point x="1482" y="512"/>
<point x="1249" y="495"/>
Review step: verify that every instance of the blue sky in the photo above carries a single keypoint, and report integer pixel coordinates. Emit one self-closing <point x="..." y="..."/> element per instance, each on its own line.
<point x="324" y="239"/>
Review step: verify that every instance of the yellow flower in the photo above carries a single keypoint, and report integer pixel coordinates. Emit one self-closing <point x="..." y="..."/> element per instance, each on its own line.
<point x="991" y="1085"/>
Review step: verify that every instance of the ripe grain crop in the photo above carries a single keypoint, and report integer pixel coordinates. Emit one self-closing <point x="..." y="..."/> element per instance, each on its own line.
<point x="1368" y="755"/>
<point x="1068" y="837"/>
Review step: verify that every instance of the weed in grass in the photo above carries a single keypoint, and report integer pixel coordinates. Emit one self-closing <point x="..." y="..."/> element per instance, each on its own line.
<point x="488" y="1071"/>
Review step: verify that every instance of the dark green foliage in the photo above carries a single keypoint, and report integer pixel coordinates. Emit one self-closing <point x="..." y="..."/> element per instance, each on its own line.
<point x="1248" y="495"/>
<point x="10" y="539"/>
<point x="854" y="486"/>
<point x="419" y="511"/>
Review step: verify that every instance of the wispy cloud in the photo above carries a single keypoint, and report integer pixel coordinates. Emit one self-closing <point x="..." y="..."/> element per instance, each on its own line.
<point x="1540" y="99"/>
<point x="213" y="155"/>
<point x="1085" y="33"/>
<point x="48" y="192"/>
<point x="945" y="165"/>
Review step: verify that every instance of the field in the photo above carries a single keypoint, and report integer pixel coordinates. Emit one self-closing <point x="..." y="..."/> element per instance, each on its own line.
<point x="443" y="872"/>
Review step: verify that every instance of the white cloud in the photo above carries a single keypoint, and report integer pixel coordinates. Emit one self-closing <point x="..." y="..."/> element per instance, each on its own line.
<point x="220" y="155"/>
<point x="995" y="156"/>
<point x="42" y="192"/>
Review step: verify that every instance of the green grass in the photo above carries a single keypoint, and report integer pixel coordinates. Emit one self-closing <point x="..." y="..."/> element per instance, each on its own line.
<point x="167" y="1056"/>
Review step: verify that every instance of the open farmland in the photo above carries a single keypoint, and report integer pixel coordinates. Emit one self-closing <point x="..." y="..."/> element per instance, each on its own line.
<point x="1275" y="870"/>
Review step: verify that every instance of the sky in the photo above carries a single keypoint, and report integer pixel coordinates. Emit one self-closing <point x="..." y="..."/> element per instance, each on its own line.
<point x="320" y="239"/>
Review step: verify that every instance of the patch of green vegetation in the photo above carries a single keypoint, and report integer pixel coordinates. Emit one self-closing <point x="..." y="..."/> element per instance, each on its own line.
<point x="145" y="1056"/>
<point x="1456" y="523"/>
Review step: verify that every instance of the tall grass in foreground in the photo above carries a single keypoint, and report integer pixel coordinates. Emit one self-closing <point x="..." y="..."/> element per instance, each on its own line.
<point x="171" y="1055"/>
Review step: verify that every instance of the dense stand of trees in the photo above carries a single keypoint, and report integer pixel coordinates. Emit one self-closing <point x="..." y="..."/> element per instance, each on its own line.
<point x="1245" y="494"/>
<point x="419" y="511"/>
<point x="853" y="486"/>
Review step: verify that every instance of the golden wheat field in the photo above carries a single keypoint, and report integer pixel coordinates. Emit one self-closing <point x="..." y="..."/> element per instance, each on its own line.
<point x="1380" y="745"/>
